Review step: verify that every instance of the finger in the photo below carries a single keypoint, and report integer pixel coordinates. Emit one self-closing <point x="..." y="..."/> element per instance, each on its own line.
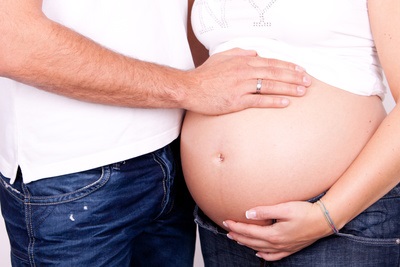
<point x="251" y="231"/>
<point x="275" y="63"/>
<point x="254" y="244"/>
<point x="279" y="70"/>
<point x="283" y="75"/>
<point x="273" y="256"/>
<point x="271" y="87"/>
<point x="263" y="101"/>
<point x="277" y="212"/>
<point x="259" y="244"/>
<point x="259" y="241"/>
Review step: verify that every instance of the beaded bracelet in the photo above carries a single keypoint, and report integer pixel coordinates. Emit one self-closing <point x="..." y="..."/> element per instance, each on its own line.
<point x="327" y="217"/>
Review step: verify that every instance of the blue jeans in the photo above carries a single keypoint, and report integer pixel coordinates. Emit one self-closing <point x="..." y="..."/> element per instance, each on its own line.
<point x="132" y="213"/>
<point x="370" y="240"/>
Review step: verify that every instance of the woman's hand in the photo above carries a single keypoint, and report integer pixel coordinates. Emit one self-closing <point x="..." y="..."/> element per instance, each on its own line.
<point x="297" y="225"/>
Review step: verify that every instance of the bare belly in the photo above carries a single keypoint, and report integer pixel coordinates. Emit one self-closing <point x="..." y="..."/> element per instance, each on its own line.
<point x="266" y="156"/>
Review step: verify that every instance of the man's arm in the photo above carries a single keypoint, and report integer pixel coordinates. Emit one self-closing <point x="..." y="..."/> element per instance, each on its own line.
<point x="37" y="51"/>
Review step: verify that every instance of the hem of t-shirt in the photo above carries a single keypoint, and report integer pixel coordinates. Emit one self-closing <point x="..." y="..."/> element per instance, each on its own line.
<point x="96" y="160"/>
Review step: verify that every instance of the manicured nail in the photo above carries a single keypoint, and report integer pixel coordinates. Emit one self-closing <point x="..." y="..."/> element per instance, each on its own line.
<point x="299" y="69"/>
<point x="225" y="224"/>
<point x="251" y="214"/>
<point x="229" y="236"/>
<point x="258" y="255"/>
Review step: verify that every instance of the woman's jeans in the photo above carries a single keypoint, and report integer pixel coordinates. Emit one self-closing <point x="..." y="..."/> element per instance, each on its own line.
<point x="131" y="213"/>
<point x="370" y="240"/>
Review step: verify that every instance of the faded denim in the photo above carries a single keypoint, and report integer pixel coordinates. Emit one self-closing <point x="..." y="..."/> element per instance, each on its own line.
<point x="370" y="240"/>
<point x="131" y="213"/>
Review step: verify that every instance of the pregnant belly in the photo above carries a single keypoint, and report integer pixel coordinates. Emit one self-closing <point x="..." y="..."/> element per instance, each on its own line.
<point x="265" y="156"/>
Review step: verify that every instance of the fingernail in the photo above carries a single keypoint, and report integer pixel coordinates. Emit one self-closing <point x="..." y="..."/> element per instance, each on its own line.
<point x="229" y="236"/>
<point x="251" y="214"/>
<point x="306" y="80"/>
<point x="258" y="255"/>
<point x="225" y="224"/>
<point x="299" y="69"/>
<point x="301" y="90"/>
<point x="285" y="102"/>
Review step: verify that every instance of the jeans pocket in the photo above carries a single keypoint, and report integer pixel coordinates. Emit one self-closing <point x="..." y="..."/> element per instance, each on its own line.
<point x="377" y="225"/>
<point x="66" y="188"/>
<point x="13" y="190"/>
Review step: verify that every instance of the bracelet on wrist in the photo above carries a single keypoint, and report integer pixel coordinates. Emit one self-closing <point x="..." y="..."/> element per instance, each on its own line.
<point x="327" y="217"/>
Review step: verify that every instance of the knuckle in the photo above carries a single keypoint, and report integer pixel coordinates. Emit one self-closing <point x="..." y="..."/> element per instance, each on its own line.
<point x="269" y="85"/>
<point x="275" y="239"/>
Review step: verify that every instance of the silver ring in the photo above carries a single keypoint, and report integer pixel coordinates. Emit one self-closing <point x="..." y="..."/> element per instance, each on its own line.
<point x="259" y="85"/>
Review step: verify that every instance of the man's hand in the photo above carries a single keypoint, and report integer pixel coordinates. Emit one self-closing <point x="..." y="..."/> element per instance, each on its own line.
<point x="64" y="62"/>
<point x="227" y="82"/>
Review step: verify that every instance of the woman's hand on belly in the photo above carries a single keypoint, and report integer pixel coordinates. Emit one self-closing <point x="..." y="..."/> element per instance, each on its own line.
<point x="287" y="235"/>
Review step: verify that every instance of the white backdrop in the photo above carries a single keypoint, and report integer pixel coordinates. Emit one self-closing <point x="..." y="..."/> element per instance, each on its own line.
<point x="5" y="247"/>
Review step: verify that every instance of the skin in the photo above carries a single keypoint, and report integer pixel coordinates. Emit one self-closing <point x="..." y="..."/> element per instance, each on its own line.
<point x="359" y="187"/>
<point x="84" y="70"/>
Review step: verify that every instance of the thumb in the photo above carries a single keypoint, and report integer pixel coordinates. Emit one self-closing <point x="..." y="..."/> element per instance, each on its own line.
<point x="276" y="212"/>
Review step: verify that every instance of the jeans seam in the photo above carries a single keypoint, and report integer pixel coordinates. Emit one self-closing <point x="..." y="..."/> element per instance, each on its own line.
<point x="28" y="221"/>
<point x="162" y="165"/>
<point x="28" y="207"/>
<point x="370" y="240"/>
<point x="167" y="181"/>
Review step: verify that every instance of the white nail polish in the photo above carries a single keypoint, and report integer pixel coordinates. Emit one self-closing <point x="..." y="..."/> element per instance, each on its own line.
<point x="251" y="214"/>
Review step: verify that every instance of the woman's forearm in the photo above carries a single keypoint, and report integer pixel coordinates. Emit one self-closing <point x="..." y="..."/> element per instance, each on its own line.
<point x="374" y="173"/>
<point x="377" y="169"/>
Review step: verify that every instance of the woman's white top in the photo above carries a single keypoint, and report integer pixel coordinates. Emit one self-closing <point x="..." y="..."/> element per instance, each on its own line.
<point x="331" y="39"/>
<point x="49" y="135"/>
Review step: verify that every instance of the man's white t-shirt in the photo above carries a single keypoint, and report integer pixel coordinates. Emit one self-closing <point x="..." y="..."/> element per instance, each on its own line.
<point x="49" y="135"/>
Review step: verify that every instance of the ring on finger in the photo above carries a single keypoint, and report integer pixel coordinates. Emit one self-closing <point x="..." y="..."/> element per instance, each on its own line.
<point x="259" y="85"/>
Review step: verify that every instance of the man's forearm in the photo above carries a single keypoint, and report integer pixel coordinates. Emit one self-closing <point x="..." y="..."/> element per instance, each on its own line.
<point x="54" y="58"/>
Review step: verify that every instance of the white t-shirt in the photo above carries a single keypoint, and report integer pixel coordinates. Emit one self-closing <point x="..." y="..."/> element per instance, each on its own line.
<point x="331" y="39"/>
<point x="49" y="135"/>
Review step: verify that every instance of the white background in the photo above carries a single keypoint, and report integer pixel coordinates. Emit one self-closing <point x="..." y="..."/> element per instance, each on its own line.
<point x="5" y="247"/>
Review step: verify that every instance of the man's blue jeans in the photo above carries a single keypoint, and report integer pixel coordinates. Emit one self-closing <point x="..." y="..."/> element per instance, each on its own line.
<point x="131" y="213"/>
<point x="370" y="240"/>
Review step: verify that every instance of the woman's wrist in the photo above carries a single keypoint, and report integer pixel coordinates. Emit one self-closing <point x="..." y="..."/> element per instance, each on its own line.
<point x="321" y="227"/>
<point x="328" y="217"/>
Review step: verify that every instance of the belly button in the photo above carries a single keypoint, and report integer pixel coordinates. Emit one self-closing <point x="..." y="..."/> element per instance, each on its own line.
<point x="221" y="157"/>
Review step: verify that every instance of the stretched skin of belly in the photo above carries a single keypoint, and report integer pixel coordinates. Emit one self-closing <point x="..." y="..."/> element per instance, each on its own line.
<point x="266" y="156"/>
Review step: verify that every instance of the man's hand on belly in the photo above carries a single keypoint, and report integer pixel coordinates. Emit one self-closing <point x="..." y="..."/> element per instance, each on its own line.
<point x="237" y="79"/>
